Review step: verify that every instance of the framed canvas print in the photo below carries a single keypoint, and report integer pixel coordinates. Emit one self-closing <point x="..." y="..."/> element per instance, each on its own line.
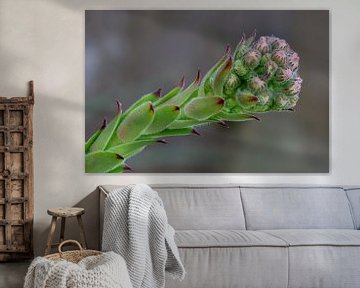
<point x="240" y="91"/>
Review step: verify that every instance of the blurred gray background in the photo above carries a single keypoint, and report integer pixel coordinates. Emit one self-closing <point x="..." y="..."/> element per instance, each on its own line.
<point x="131" y="53"/>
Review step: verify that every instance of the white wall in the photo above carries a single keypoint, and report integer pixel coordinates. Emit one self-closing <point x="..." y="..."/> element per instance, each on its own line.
<point x="44" y="41"/>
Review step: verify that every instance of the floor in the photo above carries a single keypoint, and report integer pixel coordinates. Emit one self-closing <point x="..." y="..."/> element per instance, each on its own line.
<point x="12" y="274"/>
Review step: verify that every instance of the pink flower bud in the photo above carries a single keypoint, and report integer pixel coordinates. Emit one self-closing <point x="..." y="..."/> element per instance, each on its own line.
<point x="240" y="68"/>
<point x="264" y="98"/>
<point x="293" y="101"/>
<point x="294" y="60"/>
<point x="271" y="39"/>
<point x="284" y="74"/>
<point x="257" y="84"/>
<point x="282" y="101"/>
<point x="262" y="45"/>
<point x="295" y="86"/>
<point x="252" y="58"/>
<point x="279" y="56"/>
<point x="231" y="83"/>
<point x="280" y="44"/>
<point x="270" y="68"/>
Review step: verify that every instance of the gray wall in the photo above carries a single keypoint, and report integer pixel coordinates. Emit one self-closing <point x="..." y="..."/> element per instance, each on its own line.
<point x="44" y="41"/>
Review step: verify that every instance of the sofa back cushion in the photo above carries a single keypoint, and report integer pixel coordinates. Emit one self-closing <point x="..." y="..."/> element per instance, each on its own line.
<point x="354" y="198"/>
<point x="296" y="208"/>
<point x="203" y="208"/>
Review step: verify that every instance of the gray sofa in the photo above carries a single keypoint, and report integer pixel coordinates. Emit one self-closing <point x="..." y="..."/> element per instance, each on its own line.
<point x="235" y="236"/>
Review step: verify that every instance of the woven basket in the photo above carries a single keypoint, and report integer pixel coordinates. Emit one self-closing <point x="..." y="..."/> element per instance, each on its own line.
<point x="72" y="256"/>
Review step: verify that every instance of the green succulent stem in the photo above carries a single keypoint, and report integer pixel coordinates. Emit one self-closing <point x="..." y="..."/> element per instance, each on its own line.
<point x="260" y="76"/>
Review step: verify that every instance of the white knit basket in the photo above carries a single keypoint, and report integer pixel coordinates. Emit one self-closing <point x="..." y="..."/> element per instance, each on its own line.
<point x="80" y="268"/>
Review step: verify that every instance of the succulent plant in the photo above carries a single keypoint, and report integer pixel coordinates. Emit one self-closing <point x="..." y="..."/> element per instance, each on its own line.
<point x="260" y="76"/>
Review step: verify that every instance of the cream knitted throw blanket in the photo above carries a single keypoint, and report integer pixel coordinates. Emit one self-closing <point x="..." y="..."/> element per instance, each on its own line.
<point x="136" y="227"/>
<point x="103" y="271"/>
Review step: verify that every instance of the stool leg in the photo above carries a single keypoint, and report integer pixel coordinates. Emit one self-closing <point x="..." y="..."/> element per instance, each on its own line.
<point x="82" y="232"/>
<point x="62" y="230"/>
<point x="51" y="235"/>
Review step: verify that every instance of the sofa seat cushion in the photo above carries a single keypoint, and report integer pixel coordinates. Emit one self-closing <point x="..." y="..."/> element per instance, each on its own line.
<point x="323" y="258"/>
<point x="317" y="237"/>
<point x="226" y="238"/>
<point x="233" y="267"/>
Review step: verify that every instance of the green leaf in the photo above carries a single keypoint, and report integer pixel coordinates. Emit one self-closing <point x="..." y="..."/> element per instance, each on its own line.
<point x="184" y="95"/>
<point x="224" y="116"/>
<point x="243" y="45"/>
<point x="247" y="99"/>
<point x="92" y="139"/>
<point x="178" y="124"/>
<point x="136" y="122"/>
<point x="201" y="108"/>
<point x="130" y="149"/>
<point x="168" y="133"/>
<point x="168" y="96"/>
<point x="102" y="162"/>
<point x="151" y="97"/>
<point x="206" y="85"/>
<point x="119" y="169"/>
<point x="221" y="75"/>
<point x="103" y="140"/>
<point x="164" y="116"/>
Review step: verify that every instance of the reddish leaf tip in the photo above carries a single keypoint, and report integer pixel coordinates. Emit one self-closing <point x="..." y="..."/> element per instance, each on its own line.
<point x="182" y="82"/>
<point x="157" y="93"/>
<point x="127" y="168"/>
<point x="151" y="107"/>
<point x="198" y="77"/>
<point x="220" y="102"/>
<point x="194" y="131"/>
<point x="223" y="124"/>
<point x="162" y="141"/>
<point x="119" y="106"/>
<point x="104" y="124"/>
<point x="229" y="63"/>
<point x="255" y="117"/>
<point x="227" y="49"/>
<point x="253" y="99"/>
<point x="253" y="34"/>
<point x="119" y="157"/>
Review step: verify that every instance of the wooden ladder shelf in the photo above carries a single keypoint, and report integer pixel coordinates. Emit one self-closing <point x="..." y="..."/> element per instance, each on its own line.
<point x="16" y="177"/>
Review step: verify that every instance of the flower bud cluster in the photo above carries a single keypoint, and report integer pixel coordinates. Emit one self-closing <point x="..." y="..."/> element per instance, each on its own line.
<point x="267" y="69"/>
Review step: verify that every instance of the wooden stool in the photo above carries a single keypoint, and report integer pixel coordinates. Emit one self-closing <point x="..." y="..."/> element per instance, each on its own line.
<point x="64" y="213"/>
